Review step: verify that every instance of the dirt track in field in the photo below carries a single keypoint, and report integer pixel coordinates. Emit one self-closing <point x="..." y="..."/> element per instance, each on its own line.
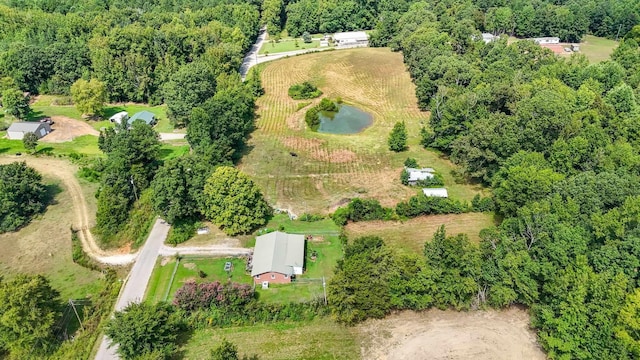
<point x="451" y="335"/>
<point x="65" y="171"/>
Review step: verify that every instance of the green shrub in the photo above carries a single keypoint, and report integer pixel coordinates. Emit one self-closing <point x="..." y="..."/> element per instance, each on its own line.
<point x="89" y="174"/>
<point x="182" y="230"/>
<point x="428" y="205"/>
<point x="362" y="210"/>
<point x="310" y="217"/>
<point x="327" y="105"/>
<point x="312" y="118"/>
<point x="304" y="91"/>
<point x="411" y="163"/>
<point x="482" y="204"/>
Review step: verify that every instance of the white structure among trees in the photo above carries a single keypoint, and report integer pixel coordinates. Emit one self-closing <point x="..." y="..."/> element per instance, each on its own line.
<point x="351" y="39"/>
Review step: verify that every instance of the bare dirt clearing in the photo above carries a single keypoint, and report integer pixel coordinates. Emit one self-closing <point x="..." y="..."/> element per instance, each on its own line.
<point x="67" y="129"/>
<point x="436" y="334"/>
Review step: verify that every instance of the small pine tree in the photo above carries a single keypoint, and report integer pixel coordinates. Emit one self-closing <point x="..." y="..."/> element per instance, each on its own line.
<point x="30" y="141"/>
<point x="398" y="137"/>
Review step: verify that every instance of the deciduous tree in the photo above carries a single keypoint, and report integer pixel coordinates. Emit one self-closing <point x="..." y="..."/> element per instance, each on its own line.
<point x="89" y="96"/>
<point x="15" y="103"/>
<point x="234" y="202"/>
<point x="398" y="137"/>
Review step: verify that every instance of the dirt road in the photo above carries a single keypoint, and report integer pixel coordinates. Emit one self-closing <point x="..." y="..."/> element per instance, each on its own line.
<point x="65" y="171"/>
<point x="67" y="129"/>
<point x="451" y="335"/>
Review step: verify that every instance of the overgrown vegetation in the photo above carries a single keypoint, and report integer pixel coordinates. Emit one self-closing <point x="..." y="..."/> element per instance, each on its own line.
<point x="304" y="91"/>
<point x="312" y="116"/>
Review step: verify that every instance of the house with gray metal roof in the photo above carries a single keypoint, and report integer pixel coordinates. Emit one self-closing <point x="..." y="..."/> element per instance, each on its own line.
<point x="148" y="117"/>
<point x="17" y="130"/>
<point x="277" y="257"/>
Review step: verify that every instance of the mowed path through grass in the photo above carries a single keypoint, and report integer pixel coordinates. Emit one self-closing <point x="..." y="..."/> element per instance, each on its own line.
<point x="314" y="172"/>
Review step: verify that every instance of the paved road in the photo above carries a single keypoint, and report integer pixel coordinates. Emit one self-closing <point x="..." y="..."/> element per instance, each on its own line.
<point x="138" y="279"/>
<point x="251" y="58"/>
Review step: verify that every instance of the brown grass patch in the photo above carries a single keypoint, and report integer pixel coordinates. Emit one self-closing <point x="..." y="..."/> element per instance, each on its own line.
<point x="316" y="149"/>
<point x="451" y="335"/>
<point x="413" y="233"/>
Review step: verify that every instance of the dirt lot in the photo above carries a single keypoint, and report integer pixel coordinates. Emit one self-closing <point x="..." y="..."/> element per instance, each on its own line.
<point x="435" y="334"/>
<point x="67" y="129"/>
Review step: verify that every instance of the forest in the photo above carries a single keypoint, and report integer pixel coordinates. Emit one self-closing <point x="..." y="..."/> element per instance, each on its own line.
<point x="557" y="140"/>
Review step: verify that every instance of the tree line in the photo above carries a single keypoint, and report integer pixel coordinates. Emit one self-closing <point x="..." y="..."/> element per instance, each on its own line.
<point x="569" y="20"/>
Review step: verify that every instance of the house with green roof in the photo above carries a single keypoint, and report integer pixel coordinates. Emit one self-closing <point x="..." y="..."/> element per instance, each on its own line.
<point x="148" y="117"/>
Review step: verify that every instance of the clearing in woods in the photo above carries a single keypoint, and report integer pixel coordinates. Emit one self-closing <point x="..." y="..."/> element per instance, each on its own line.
<point x="412" y="234"/>
<point x="451" y="335"/>
<point x="311" y="172"/>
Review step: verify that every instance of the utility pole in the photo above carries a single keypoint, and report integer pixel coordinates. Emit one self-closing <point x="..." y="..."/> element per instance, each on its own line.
<point x="134" y="188"/>
<point x="618" y="34"/>
<point x="73" y="305"/>
<point x="324" y="290"/>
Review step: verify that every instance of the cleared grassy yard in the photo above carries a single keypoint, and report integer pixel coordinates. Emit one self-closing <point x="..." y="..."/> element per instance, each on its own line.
<point x="270" y="47"/>
<point x="321" y="339"/>
<point x="411" y="235"/>
<point x="327" y="169"/>
<point x="597" y="49"/>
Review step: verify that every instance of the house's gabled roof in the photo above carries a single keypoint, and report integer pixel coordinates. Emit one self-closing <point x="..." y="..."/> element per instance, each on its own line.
<point x="420" y="174"/>
<point x="146" y="116"/>
<point x="24" y="127"/>
<point x="435" y="192"/>
<point x="278" y="252"/>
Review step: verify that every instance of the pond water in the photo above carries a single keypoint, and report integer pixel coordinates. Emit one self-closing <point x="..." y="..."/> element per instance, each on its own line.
<point x="348" y="120"/>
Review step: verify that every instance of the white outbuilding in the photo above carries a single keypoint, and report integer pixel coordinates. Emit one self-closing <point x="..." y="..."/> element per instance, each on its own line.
<point x="120" y="117"/>
<point x="351" y="39"/>
<point x="416" y="175"/>
<point x="435" y="192"/>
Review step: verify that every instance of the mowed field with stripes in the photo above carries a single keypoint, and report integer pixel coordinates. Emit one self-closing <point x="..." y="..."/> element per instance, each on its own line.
<point x="310" y="172"/>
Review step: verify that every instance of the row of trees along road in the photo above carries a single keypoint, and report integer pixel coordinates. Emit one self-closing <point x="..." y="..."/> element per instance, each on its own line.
<point x="569" y="20"/>
<point x="557" y="140"/>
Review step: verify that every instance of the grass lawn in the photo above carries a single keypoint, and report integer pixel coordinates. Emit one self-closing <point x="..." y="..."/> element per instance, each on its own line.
<point x="330" y="169"/>
<point x="86" y="144"/>
<point x="321" y="339"/>
<point x="411" y="235"/>
<point x="285" y="45"/>
<point x="597" y="49"/>
<point x="188" y="269"/>
<point x="43" y="107"/>
<point x="324" y="243"/>
<point x="44" y="247"/>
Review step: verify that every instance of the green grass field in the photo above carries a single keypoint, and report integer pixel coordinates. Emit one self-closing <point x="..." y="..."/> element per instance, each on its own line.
<point x="44" y="247"/>
<point x="270" y="47"/>
<point x="597" y="49"/>
<point x="43" y="106"/>
<point x="411" y="235"/>
<point x="320" y="339"/>
<point x="188" y="269"/>
<point x="328" y="169"/>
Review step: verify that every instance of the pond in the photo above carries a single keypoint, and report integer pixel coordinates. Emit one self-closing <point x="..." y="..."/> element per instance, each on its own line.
<point x="348" y="120"/>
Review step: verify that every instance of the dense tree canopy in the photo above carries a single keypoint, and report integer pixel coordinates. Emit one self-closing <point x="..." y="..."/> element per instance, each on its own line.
<point x="89" y="96"/>
<point x="29" y="312"/>
<point x="22" y="195"/>
<point x="142" y="328"/>
<point x="234" y="202"/>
